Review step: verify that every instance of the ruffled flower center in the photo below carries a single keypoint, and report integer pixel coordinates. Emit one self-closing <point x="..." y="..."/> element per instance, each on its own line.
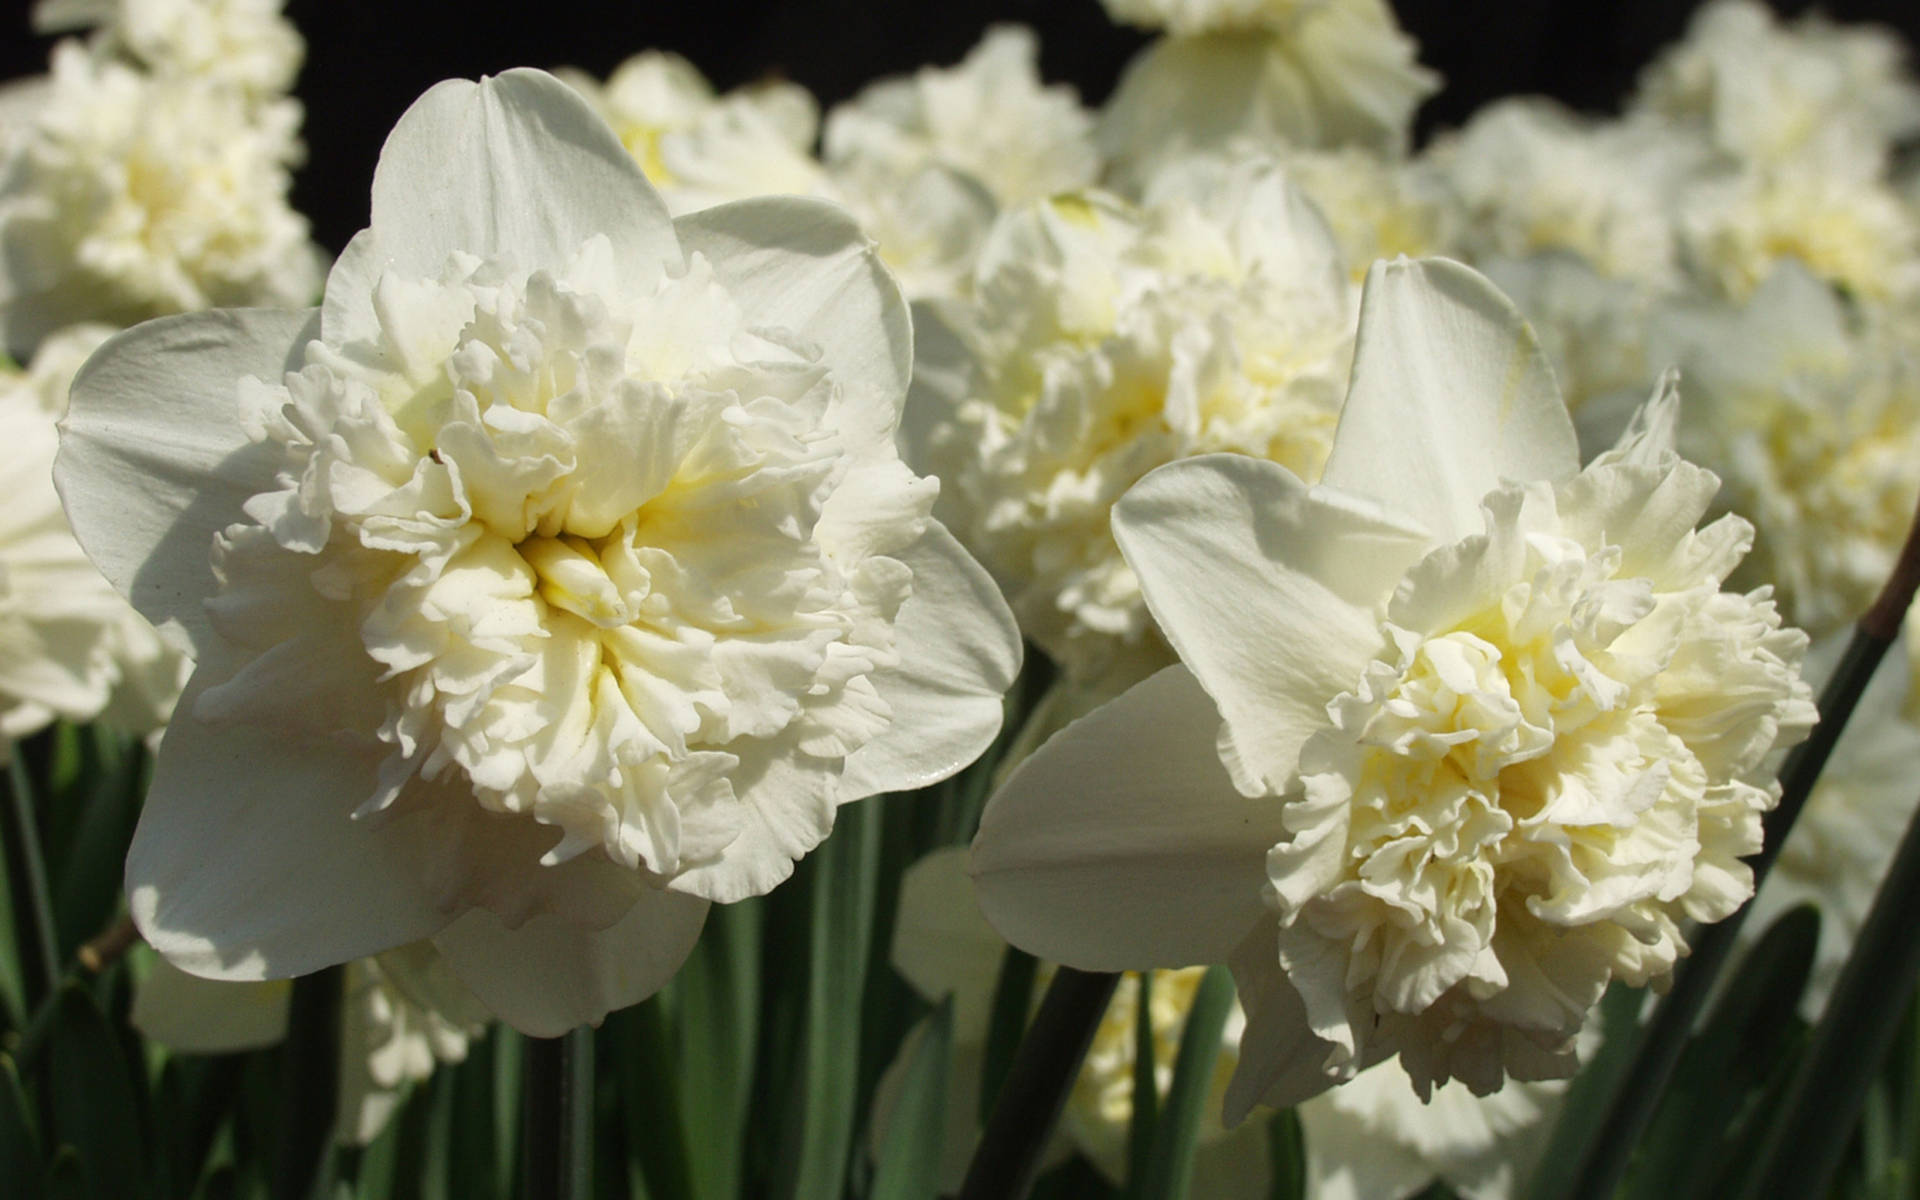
<point x="584" y="544"/>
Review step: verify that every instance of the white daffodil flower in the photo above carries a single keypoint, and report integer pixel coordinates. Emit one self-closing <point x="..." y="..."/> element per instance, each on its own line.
<point x="1102" y="340"/>
<point x="70" y="646"/>
<point x="1813" y="416"/>
<point x="699" y="148"/>
<point x="989" y="118"/>
<point x="1768" y="93"/>
<point x="1324" y="73"/>
<point x="402" y="1014"/>
<point x="247" y="44"/>
<point x="563" y="575"/>
<point x="125" y="196"/>
<point x="1458" y="736"/>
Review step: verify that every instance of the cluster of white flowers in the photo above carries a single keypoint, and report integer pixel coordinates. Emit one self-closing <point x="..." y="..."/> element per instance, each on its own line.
<point x="150" y="172"/>
<point x="568" y="566"/>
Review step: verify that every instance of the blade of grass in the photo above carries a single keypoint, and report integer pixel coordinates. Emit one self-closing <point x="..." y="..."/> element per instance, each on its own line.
<point x="648" y="1075"/>
<point x="557" y="1151"/>
<point x="719" y="1000"/>
<point x="1169" y="1174"/>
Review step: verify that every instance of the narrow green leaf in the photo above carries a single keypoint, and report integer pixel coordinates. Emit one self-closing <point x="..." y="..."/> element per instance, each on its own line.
<point x="717" y="1023"/>
<point x="95" y="1107"/>
<point x="471" y="1175"/>
<point x="1724" y="1068"/>
<point x="824" y="1102"/>
<point x="34" y="932"/>
<point x="373" y="1166"/>
<point x="1006" y="1023"/>
<point x="1584" y="1104"/>
<point x="193" y="1099"/>
<point x="68" y="1177"/>
<point x="1287" y="1156"/>
<point x="1169" y="1174"/>
<point x="647" y="1074"/>
<point x="509" y="1060"/>
<point x="309" y="1081"/>
<point x="442" y="1148"/>
<point x="1145" y="1117"/>
<point x="19" y="1143"/>
<point x="86" y="892"/>
<point x="909" y="1159"/>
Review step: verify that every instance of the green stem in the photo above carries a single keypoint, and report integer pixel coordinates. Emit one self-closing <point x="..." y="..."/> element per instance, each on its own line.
<point x="32" y="898"/>
<point x="1609" y="1150"/>
<point x="309" y="1081"/>
<point x="1146" y="1090"/>
<point x="557" y="1147"/>
<point x="1811" y="1127"/>
<point x="1008" y="1157"/>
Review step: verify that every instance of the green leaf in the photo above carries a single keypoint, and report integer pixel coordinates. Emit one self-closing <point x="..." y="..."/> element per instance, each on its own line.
<point x="34" y="932"/>
<point x="1287" y="1156"/>
<point x="823" y="1101"/>
<point x="648" y="1076"/>
<point x="1145" y="1118"/>
<point x="68" y="1177"/>
<point x="193" y="1099"/>
<point x="1169" y="1173"/>
<point x="718" y="1027"/>
<point x="470" y="1175"/>
<point x="1726" y="1065"/>
<point x="95" y="1107"/>
<point x="19" y="1143"/>
<point x="509" y="1061"/>
<point x="1586" y="1098"/>
<point x="910" y="1158"/>
<point x="86" y="892"/>
<point x="1006" y="1023"/>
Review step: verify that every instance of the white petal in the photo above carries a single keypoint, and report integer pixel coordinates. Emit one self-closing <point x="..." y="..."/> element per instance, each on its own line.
<point x="804" y="265"/>
<point x="247" y="865"/>
<point x="516" y="166"/>
<point x="153" y="461"/>
<point x="1266" y="588"/>
<point x="942" y="944"/>
<point x="1451" y="394"/>
<point x="1121" y="844"/>
<point x="209" y="1016"/>
<point x="959" y="652"/>
<point x="1281" y="1061"/>
<point x="788" y="802"/>
<point x="550" y="975"/>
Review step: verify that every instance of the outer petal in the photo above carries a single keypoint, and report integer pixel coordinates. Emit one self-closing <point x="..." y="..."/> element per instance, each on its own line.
<point x="959" y="652"/>
<point x="942" y="945"/>
<point x="247" y="865"/>
<point x="205" y="1016"/>
<point x="1266" y="589"/>
<point x="1451" y="394"/>
<point x="153" y="461"/>
<point x="517" y="165"/>
<point x="1121" y="844"/>
<point x="1281" y="1061"/>
<point x="804" y="265"/>
<point x="550" y="975"/>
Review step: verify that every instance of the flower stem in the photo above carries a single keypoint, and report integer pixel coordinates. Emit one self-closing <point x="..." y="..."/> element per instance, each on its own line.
<point x="309" y="1081"/>
<point x="1035" y="1091"/>
<point x="1609" y="1148"/>
<point x="1811" y="1126"/>
<point x="557" y="1140"/>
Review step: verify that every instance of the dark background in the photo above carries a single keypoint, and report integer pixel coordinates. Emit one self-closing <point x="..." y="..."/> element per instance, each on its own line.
<point x="368" y="59"/>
